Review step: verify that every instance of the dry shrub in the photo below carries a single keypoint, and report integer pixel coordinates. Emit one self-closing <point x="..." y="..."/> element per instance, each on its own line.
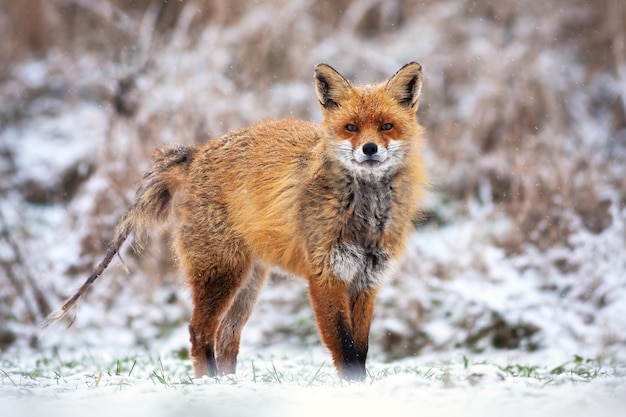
<point x="521" y="134"/>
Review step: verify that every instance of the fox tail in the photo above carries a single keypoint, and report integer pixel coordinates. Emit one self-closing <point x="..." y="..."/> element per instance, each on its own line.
<point x="151" y="208"/>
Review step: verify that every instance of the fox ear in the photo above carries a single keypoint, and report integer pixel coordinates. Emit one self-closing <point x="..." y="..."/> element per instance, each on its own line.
<point x="406" y="84"/>
<point x="330" y="85"/>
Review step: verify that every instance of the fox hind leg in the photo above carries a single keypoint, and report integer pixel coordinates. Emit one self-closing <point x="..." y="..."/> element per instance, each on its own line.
<point x="229" y="333"/>
<point x="213" y="291"/>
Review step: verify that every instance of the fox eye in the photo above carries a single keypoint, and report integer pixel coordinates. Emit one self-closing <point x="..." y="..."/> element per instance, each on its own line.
<point x="351" y="128"/>
<point x="386" y="126"/>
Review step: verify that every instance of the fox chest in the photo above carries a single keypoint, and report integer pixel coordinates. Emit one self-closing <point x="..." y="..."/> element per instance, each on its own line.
<point x="360" y="254"/>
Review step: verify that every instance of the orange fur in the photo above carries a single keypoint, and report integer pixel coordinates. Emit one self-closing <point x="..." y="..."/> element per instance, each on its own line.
<point x="332" y="203"/>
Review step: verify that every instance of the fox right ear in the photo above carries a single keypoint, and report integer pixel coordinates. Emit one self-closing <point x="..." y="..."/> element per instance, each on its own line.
<point x="330" y="85"/>
<point x="406" y="84"/>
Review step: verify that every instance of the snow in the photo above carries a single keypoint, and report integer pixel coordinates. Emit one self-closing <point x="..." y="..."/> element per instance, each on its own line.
<point x="408" y="388"/>
<point x="301" y="386"/>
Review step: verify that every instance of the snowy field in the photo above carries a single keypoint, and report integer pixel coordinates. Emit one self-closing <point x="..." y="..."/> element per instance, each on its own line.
<point x="510" y="300"/>
<point x="302" y="383"/>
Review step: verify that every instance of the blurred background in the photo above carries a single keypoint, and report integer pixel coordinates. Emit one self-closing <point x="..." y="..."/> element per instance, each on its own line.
<point x="522" y="246"/>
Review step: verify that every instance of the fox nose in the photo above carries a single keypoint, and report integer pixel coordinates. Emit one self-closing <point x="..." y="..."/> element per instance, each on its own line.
<point x="370" y="148"/>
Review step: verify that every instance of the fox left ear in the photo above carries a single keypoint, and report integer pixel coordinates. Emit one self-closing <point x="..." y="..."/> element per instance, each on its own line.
<point x="406" y="84"/>
<point x="331" y="87"/>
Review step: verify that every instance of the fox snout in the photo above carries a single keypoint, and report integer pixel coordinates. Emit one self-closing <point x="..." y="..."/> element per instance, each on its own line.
<point x="370" y="156"/>
<point x="370" y="153"/>
<point x="370" y="148"/>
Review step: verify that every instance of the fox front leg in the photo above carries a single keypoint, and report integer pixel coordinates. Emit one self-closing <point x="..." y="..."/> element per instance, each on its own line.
<point x="330" y="300"/>
<point x="362" y="310"/>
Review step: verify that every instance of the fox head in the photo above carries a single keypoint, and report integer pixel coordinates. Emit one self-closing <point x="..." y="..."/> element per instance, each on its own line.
<point x="371" y="127"/>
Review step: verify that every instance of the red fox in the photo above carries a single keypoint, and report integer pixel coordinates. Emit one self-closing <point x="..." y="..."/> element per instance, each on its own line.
<point x="331" y="202"/>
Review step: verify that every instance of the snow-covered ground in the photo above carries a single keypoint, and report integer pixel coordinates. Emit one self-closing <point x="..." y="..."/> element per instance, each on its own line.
<point x="304" y="384"/>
